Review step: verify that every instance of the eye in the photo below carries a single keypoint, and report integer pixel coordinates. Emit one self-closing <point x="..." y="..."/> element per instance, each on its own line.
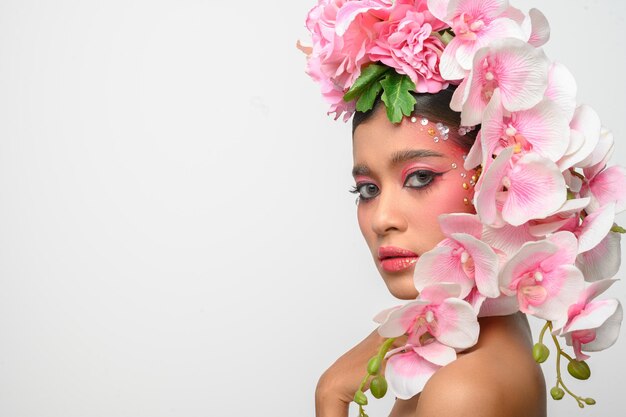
<point x="366" y="191"/>
<point x="420" y="178"/>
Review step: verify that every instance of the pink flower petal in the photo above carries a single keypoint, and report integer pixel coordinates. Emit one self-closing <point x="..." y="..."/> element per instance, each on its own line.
<point x="449" y="66"/>
<point x="457" y="325"/>
<point x="436" y="353"/>
<point x="602" y="149"/>
<point x="441" y="265"/>
<point x="485" y="264"/>
<point x="603" y="261"/>
<point x="436" y="294"/>
<point x="587" y="122"/>
<point x="486" y="206"/>
<point x="562" y="289"/>
<point x="593" y="315"/>
<point x="540" y="28"/>
<point x="508" y="238"/>
<point x="501" y="306"/>
<point x="383" y="315"/>
<point x="537" y="190"/>
<point x="407" y="373"/>
<point x="595" y="227"/>
<point x="610" y="186"/>
<point x="562" y="89"/>
<point x="460" y="223"/>
<point x="438" y="8"/>
<point x="607" y="334"/>
<point x="399" y="321"/>
<point x="528" y="256"/>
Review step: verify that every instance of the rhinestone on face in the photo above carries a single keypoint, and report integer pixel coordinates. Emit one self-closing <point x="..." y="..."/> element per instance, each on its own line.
<point x="445" y="137"/>
<point x="472" y="182"/>
<point x="413" y="119"/>
<point x="439" y="125"/>
<point x="464" y="156"/>
<point x="463" y="175"/>
<point x="453" y="165"/>
<point x="431" y="131"/>
<point x="445" y="130"/>
<point x="466" y="201"/>
<point x="465" y="186"/>
<point x="424" y="121"/>
<point x="436" y="139"/>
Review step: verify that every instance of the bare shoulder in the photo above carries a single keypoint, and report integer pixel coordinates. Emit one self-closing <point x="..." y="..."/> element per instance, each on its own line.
<point x="486" y="383"/>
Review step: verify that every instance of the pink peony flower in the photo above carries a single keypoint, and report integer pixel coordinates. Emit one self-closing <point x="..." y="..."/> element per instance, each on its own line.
<point x="406" y="43"/>
<point x="336" y="59"/>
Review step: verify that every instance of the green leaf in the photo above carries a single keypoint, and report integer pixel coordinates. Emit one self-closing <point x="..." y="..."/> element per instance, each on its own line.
<point x="369" y="75"/>
<point x="367" y="99"/>
<point x="618" y="229"/>
<point x="397" y="97"/>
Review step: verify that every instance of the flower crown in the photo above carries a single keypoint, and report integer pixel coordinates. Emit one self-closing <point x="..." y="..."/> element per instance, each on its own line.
<point x="546" y="250"/>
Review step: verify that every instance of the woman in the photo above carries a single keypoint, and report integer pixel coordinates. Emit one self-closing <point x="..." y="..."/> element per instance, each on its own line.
<point x="405" y="180"/>
<point x="481" y="204"/>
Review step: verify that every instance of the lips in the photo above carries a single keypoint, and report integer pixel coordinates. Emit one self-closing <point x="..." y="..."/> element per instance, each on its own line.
<point x="394" y="259"/>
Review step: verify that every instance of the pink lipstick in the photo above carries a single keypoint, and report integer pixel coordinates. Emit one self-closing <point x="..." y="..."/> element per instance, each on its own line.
<point x="394" y="259"/>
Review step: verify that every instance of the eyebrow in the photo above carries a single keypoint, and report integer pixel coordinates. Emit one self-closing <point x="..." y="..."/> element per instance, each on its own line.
<point x="398" y="158"/>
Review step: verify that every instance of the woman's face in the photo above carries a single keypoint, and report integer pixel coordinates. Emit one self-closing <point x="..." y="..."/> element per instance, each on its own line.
<point x="405" y="180"/>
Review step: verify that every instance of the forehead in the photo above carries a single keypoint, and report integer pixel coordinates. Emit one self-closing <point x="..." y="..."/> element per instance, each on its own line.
<point x="379" y="141"/>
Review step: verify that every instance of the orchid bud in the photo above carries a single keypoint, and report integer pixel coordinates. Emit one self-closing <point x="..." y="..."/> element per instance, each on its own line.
<point x="557" y="393"/>
<point x="540" y="352"/>
<point x="590" y="401"/>
<point x="360" y="398"/>
<point x="378" y="386"/>
<point x="578" y="369"/>
<point x="373" y="366"/>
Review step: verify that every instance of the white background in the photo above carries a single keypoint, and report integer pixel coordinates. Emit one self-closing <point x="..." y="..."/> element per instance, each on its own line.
<point x="176" y="235"/>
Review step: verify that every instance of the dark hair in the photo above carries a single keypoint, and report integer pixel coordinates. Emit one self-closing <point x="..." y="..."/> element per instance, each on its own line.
<point x="435" y="107"/>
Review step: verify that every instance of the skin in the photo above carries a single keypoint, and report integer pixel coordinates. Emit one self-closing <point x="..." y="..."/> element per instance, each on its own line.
<point x="498" y="376"/>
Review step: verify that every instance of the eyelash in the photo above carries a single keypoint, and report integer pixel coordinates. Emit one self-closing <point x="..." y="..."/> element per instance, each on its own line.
<point x="431" y="174"/>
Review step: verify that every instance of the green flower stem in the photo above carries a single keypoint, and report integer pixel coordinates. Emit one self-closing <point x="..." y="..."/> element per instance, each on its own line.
<point x="543" y="331"/>
<point x="382" y="351"/>
<point x="559" y="380"/>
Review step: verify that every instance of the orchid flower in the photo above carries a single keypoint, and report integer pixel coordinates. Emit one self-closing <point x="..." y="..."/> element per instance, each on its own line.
<point x="461" y="258"/>
<point x="517" y="189"/>
<point x="592" y="325"/>
<point x="476" y="23"/>
<point x="517" y="68"/>
<point x="542" y="276"/>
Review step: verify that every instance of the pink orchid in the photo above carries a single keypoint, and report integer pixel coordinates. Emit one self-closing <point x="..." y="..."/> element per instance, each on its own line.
<point x="516" y="189"/>
<point x="461" y="258"/>
<point x="593" y="228"/>
<point x="542" y="276"/>
<point x="603" y="151"/>
<point x="437" y="313"/>
<point x="585" y="134"/>
<point x="518" y="69"/>
<point x="603" y="260"/>
<point x="542" y="129"/>
<point x="410" y="367"/>
<point x="562" y="89"/>
<point x="476" y="23"/>
<point x="540" y="28"/>
<point x="608" y="186"/>
<point x="406" y="43"/>
<point x="593" y="325"/>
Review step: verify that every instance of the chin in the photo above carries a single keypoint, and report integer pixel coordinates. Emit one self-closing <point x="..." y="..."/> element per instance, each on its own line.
<point x="401" y="286"/>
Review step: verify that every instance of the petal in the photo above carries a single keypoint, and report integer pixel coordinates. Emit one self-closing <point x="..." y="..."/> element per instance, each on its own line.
<point x="460" y="223"/>
<point x="457" y="324"/>
<point x="545" y="127"/>
<point x="478" y="8"/>
<point x="501" y="306"/>
<point x="508" y="238"/>
<point x="449" y="66"/>
<point x="610" y="186"/>
<point x="603" y="147"/>
<point x="522" y="73"/>
<point x="540" y="28"/>
<point x="563" y="287"/>
<point x="383" y="315"/>
<point x="492" y="127"/>
<point x="436" y="294"/>
<point x="407" y="373"/>
<point x="438" y="8"/>
<point x="607" y="334"/>
<point x="603" y="261"/>
<point x="537" y="190"/>
<point x="526" y="259"/>
<point x="436" y="353"/>
<point x="587" y="122"/>
<point x="475" y="155"/>
<point x="562" y="89"/>
<point x="593" y="315"/>
<point x="491" y="185"/>
<point x="595" y="227"/>
<point x="399" y="321"/>
<point x="485" y="261"/>
<point x="441" y="265"/>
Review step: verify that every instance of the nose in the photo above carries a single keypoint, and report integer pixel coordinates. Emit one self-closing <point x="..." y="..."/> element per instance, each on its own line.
<point x="389" y="214"/>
